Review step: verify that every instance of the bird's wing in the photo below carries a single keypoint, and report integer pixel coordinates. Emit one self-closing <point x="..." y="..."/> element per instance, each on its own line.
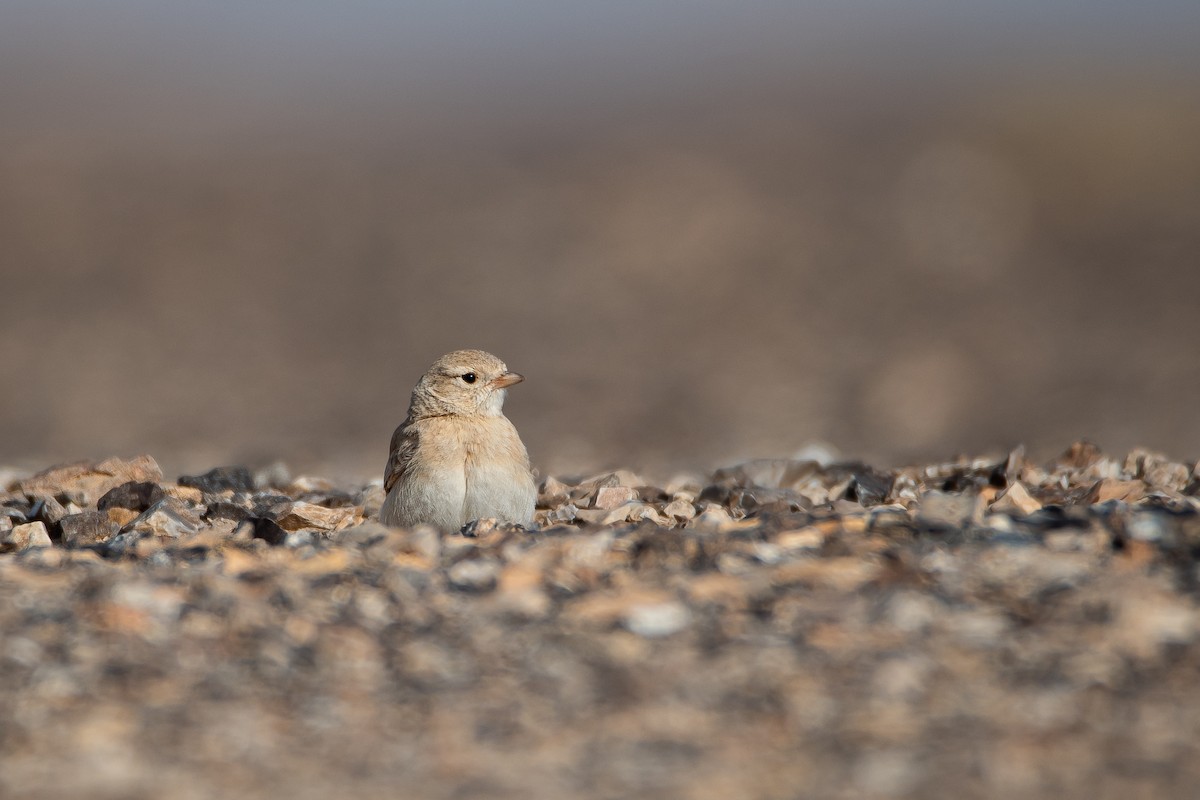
<point x="403" y="448"/>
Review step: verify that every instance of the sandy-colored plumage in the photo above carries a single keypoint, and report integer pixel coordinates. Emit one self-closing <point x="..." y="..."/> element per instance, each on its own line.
<point x="456" y="457"/>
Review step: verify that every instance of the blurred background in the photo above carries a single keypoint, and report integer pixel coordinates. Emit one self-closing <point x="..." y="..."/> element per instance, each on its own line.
<point x="238" y="232"/>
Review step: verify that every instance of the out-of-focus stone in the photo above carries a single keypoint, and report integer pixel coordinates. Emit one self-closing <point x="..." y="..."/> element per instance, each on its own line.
<point x="563" y="513"/>
<point x="712" y="518"/>
<point x="553" y="492"/>
<point x="47" y="510"/>
<point x="371" y="500"/>
<point x="23" y="537"/>
<point x="636" y="511"/>
<point x="1167" y="475"/>
<point x="275" y="475"/>
<point x="86" y="482"/>
<point x="308" y="483"/>
<point x="363" y="535"/>
<point x="133" y="495"/>
<point x="610" y="497"/>
<point x="656" y="620"/>
<point x="168" y="518"/>
<point x="1016" y="501"/>
<point x="188" y="494"/>
<point x="844" y="574"/>
<point x="220" y="479"/>
<point x="297" y="515"/>
<point x="769" y="473"/>
<point x="946" y="510"/>
<point x="1079" y="455"/>
<point x="474" y="575"/>
<point x="268" y="530"/>
<point x="1114" y="489"/>
<point x="86" y="528"/>
<point x="810" y="538"/>
<point x="871" y="487"/>
<point x="680" y="509"/>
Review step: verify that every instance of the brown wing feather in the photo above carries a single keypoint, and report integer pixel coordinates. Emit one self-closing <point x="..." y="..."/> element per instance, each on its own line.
<point x="403" y="448"/>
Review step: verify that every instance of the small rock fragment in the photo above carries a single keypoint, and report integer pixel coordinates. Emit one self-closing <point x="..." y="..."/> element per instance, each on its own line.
<point x="656" y="620"/>
<point x="220" y="479"/>
<point x="1114" y="489"/>
<point x="23" y="537"/>
<point x="553" y="492"/>
<point x="474" y="575"/>
<point x="86" y="528"/>
<point x="1167" y="475"/>
<point x="134" y="495"/>
<point x="946" y="510"/>
<point x="1016" y="501"/>
<point x="563" y="513"/>
<point x="371" y="499"/>
<point x="610" y="497"/>
<point x="680" y="509"/>
<point x="296" y="515"/>
<point x="168" y="518"/>
<point x="267" y="530"/>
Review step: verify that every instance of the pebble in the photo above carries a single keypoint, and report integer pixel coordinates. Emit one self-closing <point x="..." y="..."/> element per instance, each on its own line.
<point x="656" y="620"/>
<point x="475" y="575"/>
<point x="25" y="536"/>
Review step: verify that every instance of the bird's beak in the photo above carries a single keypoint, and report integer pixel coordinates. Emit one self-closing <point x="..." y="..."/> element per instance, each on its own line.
<point x="507" y="379"/>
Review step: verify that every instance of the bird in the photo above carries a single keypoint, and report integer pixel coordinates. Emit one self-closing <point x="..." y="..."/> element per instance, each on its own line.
<point x="456" y="458"/>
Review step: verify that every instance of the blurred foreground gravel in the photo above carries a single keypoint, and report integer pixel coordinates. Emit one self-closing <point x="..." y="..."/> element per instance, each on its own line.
<point x="779" y="629"/>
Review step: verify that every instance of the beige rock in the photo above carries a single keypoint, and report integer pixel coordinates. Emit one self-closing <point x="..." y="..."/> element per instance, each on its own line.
<point x="1114" y="489"/>
<point x="298" y="515"/>
<point x="563" y="513"/>
<point x="609" y="608"/>
<point x="809" y="538"/>
<point x="680" y="508"/>
<point x="712" y="518"/>
<point x="949" y="510"/>
<point x="610" y="497"/>
<point x="636" y="511"/>
<point x="1016" y="501"/>
<point x="89" y="527"/>
<point x="308" y="483"/>
<point x="1167" y="475"/>
<point x="88" y="481"/>
<point x="329" y="562"/>
<point x="188" y="494"/>
<point x="844" y="574"/>
<point x="23" y="537"/>
<point x="553" y="492"/>
<point x="121" y="516"/>
<point x="168" y="518"/>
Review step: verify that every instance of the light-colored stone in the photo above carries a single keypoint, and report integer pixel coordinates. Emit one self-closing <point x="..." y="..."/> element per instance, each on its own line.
<point x="298" y="515"/>
<point x="475" y="575"/>
<point x="681" y="509"/>
<point x="23" y="537"/>
<point x="656" y="620"/>
<point x="168" y="518"/>
<point x="948" y="510"/>
<point x="553" y="492"/>
<point x="1114" y="489"/>
<point x="610" y="497"/>
<point x="88" y="481"/>
<point x="1016" y="501"/>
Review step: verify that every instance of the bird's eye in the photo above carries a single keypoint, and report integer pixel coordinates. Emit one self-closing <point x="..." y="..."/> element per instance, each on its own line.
<point x="469" y="377"/>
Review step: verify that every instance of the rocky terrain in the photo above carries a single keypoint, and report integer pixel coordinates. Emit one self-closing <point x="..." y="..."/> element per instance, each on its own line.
<point x="778" y="629"/>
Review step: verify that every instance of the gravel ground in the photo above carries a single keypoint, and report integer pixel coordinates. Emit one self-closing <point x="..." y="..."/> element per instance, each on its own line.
<point x="779" y="629"/>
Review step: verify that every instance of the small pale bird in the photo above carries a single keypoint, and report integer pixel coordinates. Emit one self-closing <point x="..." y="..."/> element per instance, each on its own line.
<point x="456" y="457"/>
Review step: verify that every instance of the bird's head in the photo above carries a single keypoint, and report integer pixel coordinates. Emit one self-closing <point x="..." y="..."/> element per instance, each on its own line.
<point x="465" y="382"/>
